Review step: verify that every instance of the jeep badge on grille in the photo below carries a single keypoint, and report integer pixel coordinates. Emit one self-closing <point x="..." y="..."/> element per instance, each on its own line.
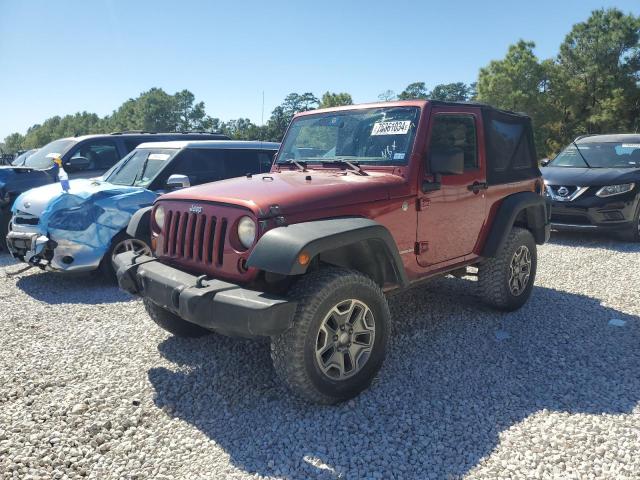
<point x="195" y="209"/>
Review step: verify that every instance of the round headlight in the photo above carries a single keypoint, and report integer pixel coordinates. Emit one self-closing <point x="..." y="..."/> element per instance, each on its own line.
<point x="158" y="216"/>
<point x="246" y="231"/>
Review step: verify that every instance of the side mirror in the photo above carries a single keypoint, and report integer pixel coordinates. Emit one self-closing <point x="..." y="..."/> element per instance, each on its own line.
<point x="544" y="162"/>
<point x="79" y="163"/>
<point x="448" y="161"/>
<point x="177" y="181"/>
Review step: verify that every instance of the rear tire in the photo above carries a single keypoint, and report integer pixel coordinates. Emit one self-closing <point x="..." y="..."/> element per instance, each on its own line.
<point x="339" y="336"/>
<point x="172" y="323"/>
<point x="506" y="280"/>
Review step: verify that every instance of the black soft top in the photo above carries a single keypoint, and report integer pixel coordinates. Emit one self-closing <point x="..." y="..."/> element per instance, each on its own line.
<point x="508" y="139"/>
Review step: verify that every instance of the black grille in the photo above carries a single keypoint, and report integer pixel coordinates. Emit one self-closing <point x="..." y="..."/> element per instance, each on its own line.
<point x="570" y="219"/>
<point x="26" y="220"/>
<point x="195" y="237"/>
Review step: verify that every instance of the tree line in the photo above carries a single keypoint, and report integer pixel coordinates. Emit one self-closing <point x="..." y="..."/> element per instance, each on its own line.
<point x="591" y="86"/>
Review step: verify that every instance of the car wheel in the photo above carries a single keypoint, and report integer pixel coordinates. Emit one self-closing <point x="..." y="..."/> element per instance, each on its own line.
<point x="506" y="280"/>
<point x="122" y="243"/>
<point x="172" y="323"/>
<point x="339" y="336"/>
<point x="633" y="234"/>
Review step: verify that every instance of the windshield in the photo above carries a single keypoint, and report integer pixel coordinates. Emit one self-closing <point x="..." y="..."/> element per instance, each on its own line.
<point x="140" y="167"/>
<point x="43" y="158"/>
<point x="599" y="155"/>
<point x="20" y="159"/>
<point x="372" y="136"/>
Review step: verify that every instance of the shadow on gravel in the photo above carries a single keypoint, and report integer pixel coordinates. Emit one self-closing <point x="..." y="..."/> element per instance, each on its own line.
<point x="449" y="387"/>
<point x="594" y="240"/>
<point x="60" y="288"/>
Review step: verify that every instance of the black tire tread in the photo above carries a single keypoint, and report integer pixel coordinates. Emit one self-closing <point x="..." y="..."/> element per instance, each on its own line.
<point x="491" y="272"/>
<point x="287" y="349"/>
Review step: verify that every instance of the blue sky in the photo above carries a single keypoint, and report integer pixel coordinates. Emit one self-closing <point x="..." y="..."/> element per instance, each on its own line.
<point x="67" y="56"/>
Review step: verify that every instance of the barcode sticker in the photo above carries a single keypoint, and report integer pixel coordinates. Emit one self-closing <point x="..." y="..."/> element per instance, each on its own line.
<point x="391" y="128"/>
<point x="158" y="156"/>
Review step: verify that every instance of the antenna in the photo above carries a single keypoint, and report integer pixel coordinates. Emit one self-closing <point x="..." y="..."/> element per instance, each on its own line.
<point x="262" y="118"/>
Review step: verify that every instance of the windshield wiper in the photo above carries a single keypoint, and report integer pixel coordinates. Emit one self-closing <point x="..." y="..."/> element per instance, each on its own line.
<point x="345" y="163"/>
<point x="298" y="163"/>
<point x="581" y="156"/>
<point x="142" y="170"/>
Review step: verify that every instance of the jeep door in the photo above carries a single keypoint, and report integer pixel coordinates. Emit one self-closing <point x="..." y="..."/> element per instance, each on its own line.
<point x="451" y="217"/>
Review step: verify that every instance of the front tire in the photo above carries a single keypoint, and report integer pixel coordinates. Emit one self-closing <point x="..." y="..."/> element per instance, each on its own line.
<point x="172" y="323"/>
<point x="339" y="336"/>
<point x="121" y="243"/>
<point x="506" y="280"/>
<point x="633" y="234"/>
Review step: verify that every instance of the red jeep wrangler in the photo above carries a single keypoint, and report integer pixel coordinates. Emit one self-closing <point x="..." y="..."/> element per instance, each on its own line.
<point x="361" y="201"/>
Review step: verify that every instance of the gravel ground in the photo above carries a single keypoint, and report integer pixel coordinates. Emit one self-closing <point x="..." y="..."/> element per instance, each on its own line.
<point x="89" y="387"/>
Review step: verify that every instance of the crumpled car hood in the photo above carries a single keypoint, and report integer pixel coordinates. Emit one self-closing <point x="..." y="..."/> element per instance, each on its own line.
<point x="116" y="203"/>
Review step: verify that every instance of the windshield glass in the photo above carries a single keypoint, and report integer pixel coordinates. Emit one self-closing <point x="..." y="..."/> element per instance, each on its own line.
<point x="43" y="158"/>
<point x="599" y="155"/>
<point x="140" y="167"/>
<point x="372" y="136"/>
<point x="19" y="160"/>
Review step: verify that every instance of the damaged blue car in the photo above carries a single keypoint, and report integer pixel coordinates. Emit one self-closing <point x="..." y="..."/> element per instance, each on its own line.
<point x="82" y="229"/>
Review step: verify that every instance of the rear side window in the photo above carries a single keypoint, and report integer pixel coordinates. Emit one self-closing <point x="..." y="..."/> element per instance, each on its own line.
<point x="102" y="154"/>
<point x="456" y="132"/>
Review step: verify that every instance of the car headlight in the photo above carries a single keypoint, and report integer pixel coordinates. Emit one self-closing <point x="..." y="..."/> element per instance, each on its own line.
<point x="246" y="231"/>
<point x="610" y="190"/>
<point x="158" y="216"/>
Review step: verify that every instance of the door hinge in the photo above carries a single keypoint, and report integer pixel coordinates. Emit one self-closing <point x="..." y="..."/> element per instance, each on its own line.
<point x="423" y="203"/>
<point x="421" y="247"/>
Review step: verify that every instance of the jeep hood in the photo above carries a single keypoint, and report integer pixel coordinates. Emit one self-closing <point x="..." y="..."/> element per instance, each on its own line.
<point x="296" y="191"/>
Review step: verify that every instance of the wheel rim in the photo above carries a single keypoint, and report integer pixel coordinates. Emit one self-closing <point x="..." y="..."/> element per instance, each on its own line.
<point x="131" y="245"/>
<point x="520" y="270"/>
<point x="345" y="339"/>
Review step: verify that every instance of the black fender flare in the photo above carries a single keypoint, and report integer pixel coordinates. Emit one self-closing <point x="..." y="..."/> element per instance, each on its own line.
<point x="526" y="209"/>
<point x="352" y="242"/>
<point x="140" y="225"/>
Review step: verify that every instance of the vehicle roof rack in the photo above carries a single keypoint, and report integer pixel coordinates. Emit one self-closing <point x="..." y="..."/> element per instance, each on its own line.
<point x="130" y="131"/>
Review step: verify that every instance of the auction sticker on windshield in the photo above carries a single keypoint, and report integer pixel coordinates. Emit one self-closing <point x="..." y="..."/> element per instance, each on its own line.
<point x="158" y="156"/>
<point x="400" y="127"/>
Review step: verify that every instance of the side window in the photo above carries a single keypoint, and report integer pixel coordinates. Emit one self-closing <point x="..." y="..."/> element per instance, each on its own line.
<point x="199" y="164"/>
<point x="265" y="160"/>
<point x="456" y="132"/>
<point x="102" y="154"/>
<point x="132" y="143"/>
<point x="240" y="162"/>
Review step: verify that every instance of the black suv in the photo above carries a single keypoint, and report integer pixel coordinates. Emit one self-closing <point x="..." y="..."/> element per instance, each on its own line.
<point x="82" y="157"/>
<point x="594" y="184"/>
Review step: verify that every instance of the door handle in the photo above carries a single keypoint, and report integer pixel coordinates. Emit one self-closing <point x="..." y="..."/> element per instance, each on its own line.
<point x="475" y="187"/>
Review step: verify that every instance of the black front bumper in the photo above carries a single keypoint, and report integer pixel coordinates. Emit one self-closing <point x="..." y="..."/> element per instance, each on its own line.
<point x="213" y="304"/>
<point x="594" y="213"/>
